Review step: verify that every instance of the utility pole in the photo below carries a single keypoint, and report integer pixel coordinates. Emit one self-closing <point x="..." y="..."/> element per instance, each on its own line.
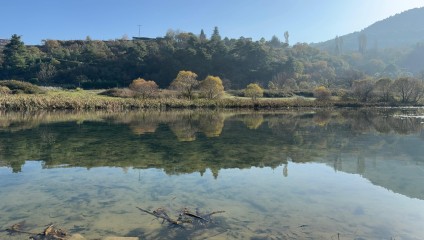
<point x="139" y="27"/>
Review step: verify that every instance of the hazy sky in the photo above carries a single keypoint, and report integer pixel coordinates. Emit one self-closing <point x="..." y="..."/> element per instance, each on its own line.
<point x="306" y="20"/>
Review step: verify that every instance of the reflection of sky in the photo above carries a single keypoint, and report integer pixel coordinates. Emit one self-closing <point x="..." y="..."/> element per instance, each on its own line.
<point x="341" y="189"/>
<point x="312" y="194"/>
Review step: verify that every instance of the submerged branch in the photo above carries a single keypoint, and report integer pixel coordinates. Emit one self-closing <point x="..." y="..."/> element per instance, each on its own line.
<point x="160" y="213"/>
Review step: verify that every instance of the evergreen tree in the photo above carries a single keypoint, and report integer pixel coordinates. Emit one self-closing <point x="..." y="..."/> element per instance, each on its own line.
<point x="215" y="35"/>
<point x="275" y="42"/>
<point x="202" y="36"/>
<point x="15" y="56"/>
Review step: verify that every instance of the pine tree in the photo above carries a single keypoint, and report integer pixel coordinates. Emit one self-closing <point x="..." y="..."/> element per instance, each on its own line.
<point x="15" y="54"/>
<point x="215" y="35"/>
<point x="202" y="36"/>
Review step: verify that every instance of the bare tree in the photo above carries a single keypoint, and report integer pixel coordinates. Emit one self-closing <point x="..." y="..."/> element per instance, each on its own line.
<point x="286" y="37"/>
<point x="363" y="89"/>
<point x="383" y="89"/>
<point x="408" y="89"/>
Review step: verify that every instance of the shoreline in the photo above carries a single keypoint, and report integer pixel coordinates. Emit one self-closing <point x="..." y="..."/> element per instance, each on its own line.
<point x="77" y="101"/>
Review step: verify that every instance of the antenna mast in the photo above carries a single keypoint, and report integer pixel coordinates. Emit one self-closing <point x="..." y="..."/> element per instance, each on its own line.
<point x="139" y="27"/>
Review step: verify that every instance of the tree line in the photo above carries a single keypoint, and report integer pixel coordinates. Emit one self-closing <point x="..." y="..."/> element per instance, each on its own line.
<point x="271" y="64"/>
<point x="103" y="64"/>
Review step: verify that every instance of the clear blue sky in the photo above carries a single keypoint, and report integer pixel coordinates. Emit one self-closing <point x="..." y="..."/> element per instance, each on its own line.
<point x="306" y="20"/>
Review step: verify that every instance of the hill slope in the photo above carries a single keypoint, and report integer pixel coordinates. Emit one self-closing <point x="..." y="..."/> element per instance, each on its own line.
<point x="401" y="30"/>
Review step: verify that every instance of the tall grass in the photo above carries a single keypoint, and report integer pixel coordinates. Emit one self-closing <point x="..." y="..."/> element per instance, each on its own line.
<point x="91" y="100"/>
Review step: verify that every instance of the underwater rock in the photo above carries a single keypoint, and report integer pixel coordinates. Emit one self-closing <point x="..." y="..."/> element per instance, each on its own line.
<point x="76" y="237"/>
<point x="121" y="238"/>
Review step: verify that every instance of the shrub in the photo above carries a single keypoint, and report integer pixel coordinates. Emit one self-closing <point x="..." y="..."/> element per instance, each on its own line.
<point x="237" y="93"/>
<point x="167" y="94"/>
<point x="144" y="88"/>
<point x="21" y="87"/>
<point x="322" y="93"/>
<point x="119" y="92"/>
<point x="5" y="90"/>
<point x="271" y="93"/>
<point x="253" y="91"/>
<point x="304" y="93"/>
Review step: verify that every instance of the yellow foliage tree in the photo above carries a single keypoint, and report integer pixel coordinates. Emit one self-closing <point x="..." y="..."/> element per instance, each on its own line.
<point x="253" y="91"/>
<point x="211" y="87"/>
<point x="321" y="93"/>
<point x="185" y="82"/>
<point x="144" y="88"/>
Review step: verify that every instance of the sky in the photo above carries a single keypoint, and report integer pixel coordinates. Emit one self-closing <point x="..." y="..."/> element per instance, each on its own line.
<point x="305" y="20"/>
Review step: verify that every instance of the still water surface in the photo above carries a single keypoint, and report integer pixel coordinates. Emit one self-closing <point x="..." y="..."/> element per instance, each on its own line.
<point x="344" y="174"/>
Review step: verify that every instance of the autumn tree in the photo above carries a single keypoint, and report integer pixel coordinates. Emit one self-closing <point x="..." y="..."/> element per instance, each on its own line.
<point x="321" y="93"/>
<point x="186" y="83"/>
<point x="211" y="87"/>
<point x="144" y="88"/>
<point x="253" y="91"/>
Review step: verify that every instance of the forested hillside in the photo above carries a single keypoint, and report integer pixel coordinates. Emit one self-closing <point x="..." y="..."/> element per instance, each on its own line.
<point x="402" y="30"/>
<point x="103" y="64"/>
<point x="271" y="63"/>
<point x="391" y="47"/>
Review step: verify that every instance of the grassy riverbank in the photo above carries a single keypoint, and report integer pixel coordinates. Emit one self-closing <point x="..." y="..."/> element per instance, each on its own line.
<point x="84" y="100"/>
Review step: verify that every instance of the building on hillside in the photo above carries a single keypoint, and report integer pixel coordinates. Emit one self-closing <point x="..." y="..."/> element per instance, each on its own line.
<point x="147" y="39"/>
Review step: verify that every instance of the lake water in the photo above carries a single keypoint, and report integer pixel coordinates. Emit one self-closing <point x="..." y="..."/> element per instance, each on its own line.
<point x="339" y="174"/>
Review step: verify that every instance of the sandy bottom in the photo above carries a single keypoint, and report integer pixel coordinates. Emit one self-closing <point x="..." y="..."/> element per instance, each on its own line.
<point x="313" y="202"/>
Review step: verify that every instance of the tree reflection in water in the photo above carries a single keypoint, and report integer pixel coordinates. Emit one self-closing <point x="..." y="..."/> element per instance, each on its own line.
<point x="373" y="143"/>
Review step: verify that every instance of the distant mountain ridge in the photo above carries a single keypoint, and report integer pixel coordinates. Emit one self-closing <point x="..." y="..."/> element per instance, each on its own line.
<point x="399" y="31"/>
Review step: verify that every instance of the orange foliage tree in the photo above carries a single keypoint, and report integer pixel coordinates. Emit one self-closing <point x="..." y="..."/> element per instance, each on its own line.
<point x="144" y="88"/>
